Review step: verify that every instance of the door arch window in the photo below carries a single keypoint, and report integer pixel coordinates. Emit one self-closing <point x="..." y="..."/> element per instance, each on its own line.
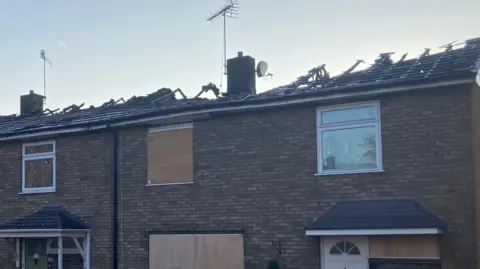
<point x="344" y="248"/>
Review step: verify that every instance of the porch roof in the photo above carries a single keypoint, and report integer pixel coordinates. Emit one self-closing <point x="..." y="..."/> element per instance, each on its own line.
<point x="47" y="218"/>
<point x="395" y="216"/>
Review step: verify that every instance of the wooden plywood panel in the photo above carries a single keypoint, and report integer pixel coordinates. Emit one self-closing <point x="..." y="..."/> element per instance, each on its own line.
<point x="170" y="156"/>
<point x="206" y="251"/>
<point x="171" y="252"/>
<point x="414" y="246"/>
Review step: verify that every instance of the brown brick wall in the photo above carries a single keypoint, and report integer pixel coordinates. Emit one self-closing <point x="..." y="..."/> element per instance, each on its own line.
<point x="84" y="175"/>
<point x="256" y="172"/>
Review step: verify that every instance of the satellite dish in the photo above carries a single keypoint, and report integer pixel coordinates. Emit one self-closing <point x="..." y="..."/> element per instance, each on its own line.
<point x="262" y="68"/>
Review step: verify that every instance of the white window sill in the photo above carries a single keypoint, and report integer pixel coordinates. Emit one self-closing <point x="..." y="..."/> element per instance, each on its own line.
<point x="167" y="184"/>
<point x="33" y="191"/>
<point x="348" y="172"/>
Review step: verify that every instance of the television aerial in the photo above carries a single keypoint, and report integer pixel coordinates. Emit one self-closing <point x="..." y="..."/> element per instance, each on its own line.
<point x="228" y="10"/>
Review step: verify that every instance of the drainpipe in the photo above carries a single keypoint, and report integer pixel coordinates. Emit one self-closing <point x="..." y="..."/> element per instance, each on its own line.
<point x="115" y="200"/>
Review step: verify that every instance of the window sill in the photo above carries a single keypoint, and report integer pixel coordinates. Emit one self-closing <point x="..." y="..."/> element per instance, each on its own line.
<point x="350" y="172"/>
<point x="37" y="191"/>
<point x="167" y="184"/>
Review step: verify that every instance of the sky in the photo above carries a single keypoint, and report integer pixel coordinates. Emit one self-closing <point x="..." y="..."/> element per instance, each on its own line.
<point x="103" y="49"/>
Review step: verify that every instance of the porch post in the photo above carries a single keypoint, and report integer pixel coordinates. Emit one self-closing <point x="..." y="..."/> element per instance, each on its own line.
<point x="17" y="257"/>
<point x="88" y="246"/>
<point x="60" y="252"/>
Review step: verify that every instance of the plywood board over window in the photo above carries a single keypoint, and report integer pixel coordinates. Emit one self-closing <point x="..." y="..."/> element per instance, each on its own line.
<point x="196" y="251"/>
<point x="405" y="246"/>
<point x="170" y="155"/>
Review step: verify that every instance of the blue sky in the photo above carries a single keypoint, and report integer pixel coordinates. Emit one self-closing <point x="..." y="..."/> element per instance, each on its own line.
<point x="118" y="48"/>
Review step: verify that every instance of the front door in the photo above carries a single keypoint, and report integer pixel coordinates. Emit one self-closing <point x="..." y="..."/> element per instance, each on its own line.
<point x="35" y="254"/>
<point x="345" y="252"/>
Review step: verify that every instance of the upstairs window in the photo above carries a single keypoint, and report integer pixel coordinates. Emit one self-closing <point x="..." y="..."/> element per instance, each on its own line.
<point x="38" y="167"/>
<point x="170" y="155"/>
<point x="349" y="139"/>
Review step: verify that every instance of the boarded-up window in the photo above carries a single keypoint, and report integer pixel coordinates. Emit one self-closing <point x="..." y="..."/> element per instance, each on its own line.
<point x="38" y="167"/>
<point x="406" y="246"/>
<point x="196" y="251"/>
<point x="170" y="155"/>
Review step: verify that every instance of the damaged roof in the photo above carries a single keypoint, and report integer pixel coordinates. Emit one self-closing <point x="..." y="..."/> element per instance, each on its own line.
<point x="452" y="63"/>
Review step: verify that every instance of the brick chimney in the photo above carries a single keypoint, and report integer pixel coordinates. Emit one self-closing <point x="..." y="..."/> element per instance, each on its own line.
<point x="31" y="104"/>
<point x="241" y="75"/>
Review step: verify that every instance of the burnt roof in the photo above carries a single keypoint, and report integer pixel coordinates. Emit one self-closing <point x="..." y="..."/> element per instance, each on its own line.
<point x="446" y="65"/>
<point x="378" y="214"/>
<point x="52" y="217"/>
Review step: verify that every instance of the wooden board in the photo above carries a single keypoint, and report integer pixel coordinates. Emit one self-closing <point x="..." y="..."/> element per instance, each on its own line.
<point x="414" y="246"/>
<point x="203" y="251"/>
<point x="170" y="156"/>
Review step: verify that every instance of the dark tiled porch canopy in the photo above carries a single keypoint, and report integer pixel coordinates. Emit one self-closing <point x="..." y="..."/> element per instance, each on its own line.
<point x="51" y="219"/>
<point x="48" y="222"/>
<point x="377" y="217"/>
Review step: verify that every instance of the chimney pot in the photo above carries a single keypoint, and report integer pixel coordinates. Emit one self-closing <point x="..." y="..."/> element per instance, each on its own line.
<point x="240" y="54"/>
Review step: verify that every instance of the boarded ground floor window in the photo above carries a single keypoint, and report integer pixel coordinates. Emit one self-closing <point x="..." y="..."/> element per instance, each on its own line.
<point x="196" y="251"/>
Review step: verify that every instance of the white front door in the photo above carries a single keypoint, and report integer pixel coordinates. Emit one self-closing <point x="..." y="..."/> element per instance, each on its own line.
<point x="345" y="252"/>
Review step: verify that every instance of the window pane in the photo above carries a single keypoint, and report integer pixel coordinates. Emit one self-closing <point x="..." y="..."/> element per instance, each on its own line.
<point x="42" y="148"/>
<point x="39" y="173"/>
<point x="335" y="250"/>
<point x="349" y="114"/>
<point x="349" y="149"/>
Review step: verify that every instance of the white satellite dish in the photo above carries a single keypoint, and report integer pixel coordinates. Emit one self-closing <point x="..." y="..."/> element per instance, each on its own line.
<point x="262" y="68"/>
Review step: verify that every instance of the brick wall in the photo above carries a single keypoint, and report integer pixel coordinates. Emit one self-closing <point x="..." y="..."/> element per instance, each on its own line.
<point x="256" y="171"/>
<point x="83" y="188"/>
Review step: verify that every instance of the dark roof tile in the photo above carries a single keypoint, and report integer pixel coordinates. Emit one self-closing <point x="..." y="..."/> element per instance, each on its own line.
<point x="378" y="214"/>
<point x="46" y="218"/>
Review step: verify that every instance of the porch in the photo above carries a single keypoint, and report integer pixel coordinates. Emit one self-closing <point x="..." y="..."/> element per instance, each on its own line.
<point x="42" y="239"/>
<point x="379" y="234"/>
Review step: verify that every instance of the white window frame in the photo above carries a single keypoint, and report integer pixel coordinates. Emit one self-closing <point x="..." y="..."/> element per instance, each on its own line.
<point x="39" y="156"/>
<point x="349" y="125"/>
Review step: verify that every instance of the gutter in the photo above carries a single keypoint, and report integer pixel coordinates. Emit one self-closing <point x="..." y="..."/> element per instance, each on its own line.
<point x="287" y="100"/>
<point x="115" y="195"/>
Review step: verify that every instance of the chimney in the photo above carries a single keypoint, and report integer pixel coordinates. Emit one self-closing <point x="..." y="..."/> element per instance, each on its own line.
<point x="31" y="104"/>
<point x="241" y="75"/>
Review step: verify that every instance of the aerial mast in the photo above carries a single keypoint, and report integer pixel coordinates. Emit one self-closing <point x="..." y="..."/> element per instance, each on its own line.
<point x="43" y="56"/>
<point x="229" y="10"/>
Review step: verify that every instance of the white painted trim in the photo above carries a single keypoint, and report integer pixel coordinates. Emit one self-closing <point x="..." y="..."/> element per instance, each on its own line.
<point x="35" y="233"/>
<point x="87" y="245"/>
<point x="79" y="247"/>
<point x="168" y="184"/>
<point x="17" y="256"/>
<point x="40" y="156"/>
<point x="347" y="172"/>
<point x="335" y="96"/>
<point x="375" y="123"/>
<point x="60" y="253"/>
<point x="374" y="232"/>
<point x="171" y="127"/>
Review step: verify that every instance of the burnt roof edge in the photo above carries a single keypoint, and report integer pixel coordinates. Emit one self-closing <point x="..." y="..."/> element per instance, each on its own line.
<point x="250" y="104"/>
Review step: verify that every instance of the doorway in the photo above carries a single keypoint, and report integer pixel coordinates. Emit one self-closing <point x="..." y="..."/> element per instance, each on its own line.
<point x="345" y="252"/>
<point x="35" y="254"/>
